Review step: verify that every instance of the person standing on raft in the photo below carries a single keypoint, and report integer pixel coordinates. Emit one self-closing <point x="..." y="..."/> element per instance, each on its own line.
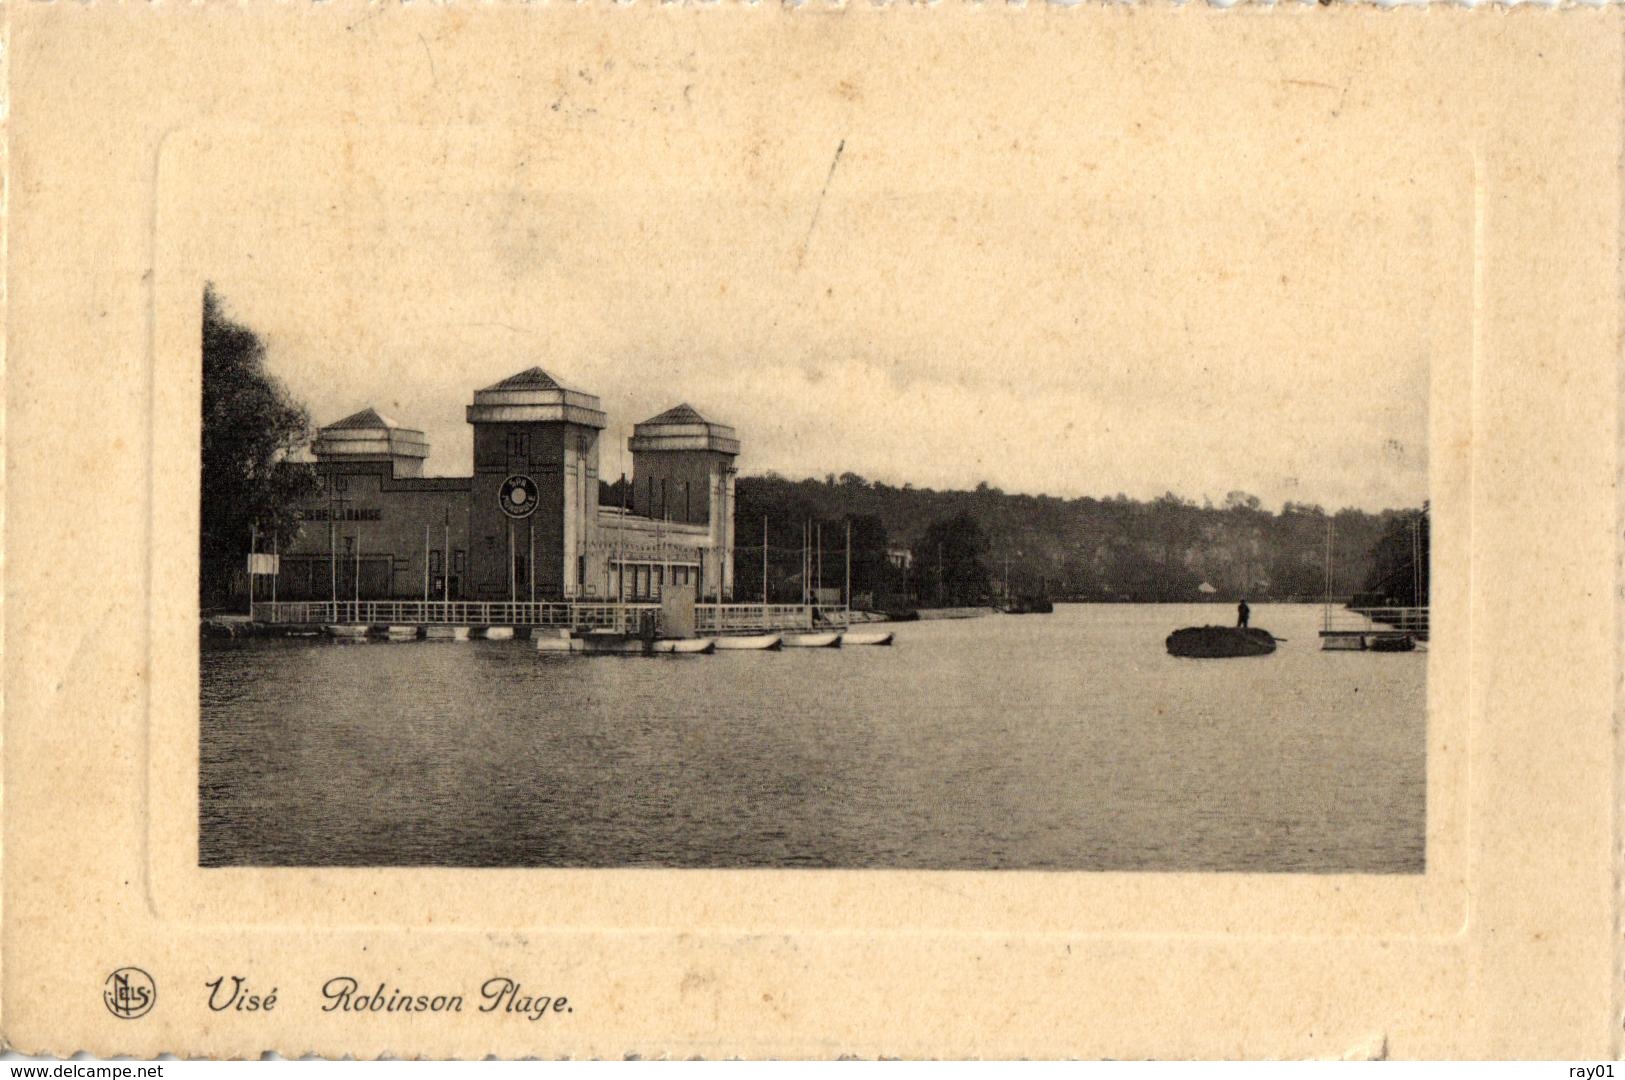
<point x="1243" y="613"/>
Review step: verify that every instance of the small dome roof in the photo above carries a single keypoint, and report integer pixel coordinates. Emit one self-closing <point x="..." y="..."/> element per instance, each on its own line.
<point x="533" y="396"/>
<point x="366" y="418"/>
<point x="368" y="435"/>
<point x="532" y="378"/>
<point x="681" y="427"/>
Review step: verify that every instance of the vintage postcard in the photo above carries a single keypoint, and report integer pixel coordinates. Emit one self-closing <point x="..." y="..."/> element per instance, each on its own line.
<point x="952" y="530"/>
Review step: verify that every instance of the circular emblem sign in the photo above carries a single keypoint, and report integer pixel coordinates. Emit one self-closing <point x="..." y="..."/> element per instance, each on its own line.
<point x="518" y="496"/>
<point x="129" y="992"/>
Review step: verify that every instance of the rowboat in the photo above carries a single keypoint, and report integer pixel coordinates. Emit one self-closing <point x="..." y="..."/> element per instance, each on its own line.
<point x="446" y="633"/>
<point x="498" y="633"/>
<point x="592" y="644"/>
<point x="346" y="631"/>
<point x="829" y="640"/>
<point x="751" y="641"/>
<point x="866" y="637"/>
<point x="683" y="645"/>
<point x="402" y="633"/>
<point x="1213" y="642"/>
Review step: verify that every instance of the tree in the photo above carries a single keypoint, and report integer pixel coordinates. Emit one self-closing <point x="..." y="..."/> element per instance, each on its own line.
<point x="871" y="569"/>
<point x="250" y="427"/>
<point x="948" y="563"/>
<point x="1399" y="560"/>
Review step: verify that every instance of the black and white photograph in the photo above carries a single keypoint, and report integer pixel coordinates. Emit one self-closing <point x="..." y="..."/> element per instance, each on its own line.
<point x="560" y="528"/>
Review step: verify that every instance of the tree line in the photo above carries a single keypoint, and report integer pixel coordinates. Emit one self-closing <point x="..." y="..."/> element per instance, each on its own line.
<point x="928" y="547"/>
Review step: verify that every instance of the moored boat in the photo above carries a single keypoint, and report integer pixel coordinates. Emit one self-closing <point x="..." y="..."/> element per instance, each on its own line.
<point x="866" y="637"/>
<point x="1214" y="642"/>
<point x="683" y="645"/>
<point x="346" y="631"/>
<point x="749" y="641"/>
<point x="829" y="640"/>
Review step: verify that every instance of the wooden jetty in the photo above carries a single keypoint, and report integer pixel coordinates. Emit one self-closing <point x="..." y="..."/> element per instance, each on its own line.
<point x="1377" y="629"/>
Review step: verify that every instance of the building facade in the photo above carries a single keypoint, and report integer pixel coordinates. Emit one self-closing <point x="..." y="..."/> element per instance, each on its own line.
<point x="527" y="523"/>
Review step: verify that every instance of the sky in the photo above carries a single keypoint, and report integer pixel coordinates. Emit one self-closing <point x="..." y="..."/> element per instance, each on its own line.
<point x="1199" y="313"/>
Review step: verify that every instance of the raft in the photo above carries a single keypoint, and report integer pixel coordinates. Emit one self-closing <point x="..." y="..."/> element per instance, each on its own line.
<point x="1212" y="642"/>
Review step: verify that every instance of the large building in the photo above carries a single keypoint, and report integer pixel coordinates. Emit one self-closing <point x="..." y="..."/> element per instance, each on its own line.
<point x="527" y="524"/>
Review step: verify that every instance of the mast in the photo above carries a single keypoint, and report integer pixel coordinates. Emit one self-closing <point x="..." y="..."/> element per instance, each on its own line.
<point x="1327" y="617"/>
<point x="358" y="568"/>
<point x="764" y="568"/>
<point x="445" y="576"/>
<point x="818" y="574"/>
<point x="1416" y="561"/>
<point x="425" y="562"/>
<point x="849" y="569"/>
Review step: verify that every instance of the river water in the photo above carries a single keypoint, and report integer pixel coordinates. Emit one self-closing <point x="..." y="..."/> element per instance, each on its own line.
<point x="1069" y="741"/>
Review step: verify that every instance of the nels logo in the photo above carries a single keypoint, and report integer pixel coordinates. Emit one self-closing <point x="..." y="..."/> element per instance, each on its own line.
<point x="129" y="992"/>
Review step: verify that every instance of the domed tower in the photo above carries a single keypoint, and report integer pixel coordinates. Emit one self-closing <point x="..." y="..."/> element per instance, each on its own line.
<point x="535" y="487"/>
<point x="683" y="471"/>
<point x="368" y="437"/>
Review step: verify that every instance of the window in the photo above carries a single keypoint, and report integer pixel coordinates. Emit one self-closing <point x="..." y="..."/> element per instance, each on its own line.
<point x="581" y="570"/>
<point x="341" y="483"/>
<point x="518" y="444"/>
<point x="349" y="544"/>
<point x="434" y="561"/>
<point x="459" y="560"/>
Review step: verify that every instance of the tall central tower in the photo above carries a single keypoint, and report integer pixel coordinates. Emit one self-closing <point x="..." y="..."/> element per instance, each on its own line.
<point x="529" y="427"/>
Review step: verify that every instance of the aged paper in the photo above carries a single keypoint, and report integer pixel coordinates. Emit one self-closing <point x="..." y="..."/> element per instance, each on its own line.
<point x="1346" y="256"/>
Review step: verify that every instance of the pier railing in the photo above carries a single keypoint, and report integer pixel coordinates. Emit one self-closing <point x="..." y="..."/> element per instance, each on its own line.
<point x="1376" y="621"/>
<point x="555" y="614"/>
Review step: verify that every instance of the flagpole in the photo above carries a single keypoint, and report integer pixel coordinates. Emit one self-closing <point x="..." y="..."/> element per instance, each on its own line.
<point x="531" y="565"/>
<point x="253" y="542"/>
<point x="445" y="577"/>
<point x="764" y="568"/>
<point x="276" y="553"/>
<point x="512" y="586"/>
<point x="425" y="562"/>
<point x="332" y="550"/>
<point x="358" y="569"/>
